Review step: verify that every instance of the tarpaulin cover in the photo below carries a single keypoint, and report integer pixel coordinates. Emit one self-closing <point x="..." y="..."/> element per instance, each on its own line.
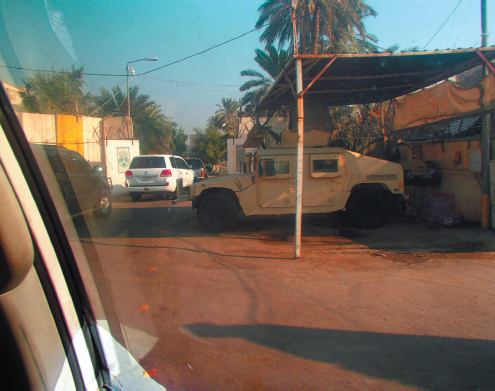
<point x="446" y="100"/>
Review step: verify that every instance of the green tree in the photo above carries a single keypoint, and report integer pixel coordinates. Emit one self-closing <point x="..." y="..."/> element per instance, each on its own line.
<point x="57" y="92"/>
<point x="323" y="25"/>
<point x="153" y="130"/>
<point x="210" y="146"/>
<point x="272" y="61"/>
<point x="114" y="102"/>
<point x="226" y="116"/>
<point x="178" y="143"/>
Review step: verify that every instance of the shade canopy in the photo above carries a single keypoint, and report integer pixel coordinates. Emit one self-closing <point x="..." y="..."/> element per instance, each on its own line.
<point x="344" y="79"/>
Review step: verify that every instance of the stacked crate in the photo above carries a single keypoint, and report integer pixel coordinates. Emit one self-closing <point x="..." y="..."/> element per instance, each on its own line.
<point x="441" y="209"/>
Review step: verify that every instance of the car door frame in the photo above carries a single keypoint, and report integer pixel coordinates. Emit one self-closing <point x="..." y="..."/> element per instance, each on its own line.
<point x="186" y="173"/>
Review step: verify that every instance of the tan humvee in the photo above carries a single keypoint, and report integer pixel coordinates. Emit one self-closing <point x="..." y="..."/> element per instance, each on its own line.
<point x="333" y="179"/>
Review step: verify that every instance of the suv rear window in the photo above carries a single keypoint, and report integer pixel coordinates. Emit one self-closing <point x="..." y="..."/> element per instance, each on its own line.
<point x="148" y="162"/>
<point x="194" y="163"/>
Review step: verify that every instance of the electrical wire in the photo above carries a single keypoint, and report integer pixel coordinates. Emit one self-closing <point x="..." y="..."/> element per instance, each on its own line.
<point x="193" y="83"/>
<point x="88" y="116"/>
<point x="139" y="74"/>
<point x="197" y="54"/>
<point x="54" y="71"/>
<point x="443" y="24"/>
<point x="186" y="85"/>
<point x="462" y="25"/>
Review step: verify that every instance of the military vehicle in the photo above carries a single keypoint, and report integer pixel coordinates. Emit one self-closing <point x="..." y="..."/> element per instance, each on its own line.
<point x="334" y="179"/>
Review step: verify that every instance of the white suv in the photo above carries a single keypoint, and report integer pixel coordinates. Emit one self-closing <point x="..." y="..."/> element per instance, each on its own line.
<point x="158" y="174"/>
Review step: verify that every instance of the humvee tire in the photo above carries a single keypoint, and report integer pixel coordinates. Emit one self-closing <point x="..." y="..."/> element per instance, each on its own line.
<point x="367" y="209"/>
<point x="217" y="212"/>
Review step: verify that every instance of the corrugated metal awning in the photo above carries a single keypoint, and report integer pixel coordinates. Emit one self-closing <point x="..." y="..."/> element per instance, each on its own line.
<point x="343" y="79"/>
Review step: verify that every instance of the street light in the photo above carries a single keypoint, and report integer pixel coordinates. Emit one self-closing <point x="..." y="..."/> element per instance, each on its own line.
<point x="127" y="69"/>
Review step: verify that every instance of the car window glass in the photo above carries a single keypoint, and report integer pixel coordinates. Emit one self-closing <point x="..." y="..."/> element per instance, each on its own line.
<point x="181" y="163"/>
<point x="81" y="166"/>
<point x="197" y="277"/>
<point x="326" y="165"/>
<point x="69" y="162"/>
<point x="54" y="159"/>
<point x="194" y="164"/>
<point x="148" y="162"/>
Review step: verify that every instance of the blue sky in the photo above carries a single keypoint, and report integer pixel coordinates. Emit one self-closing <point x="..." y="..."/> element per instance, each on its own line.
<point x="104" y="36"/>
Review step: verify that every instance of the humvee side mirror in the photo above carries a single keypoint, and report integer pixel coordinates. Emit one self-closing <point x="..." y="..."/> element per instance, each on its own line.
<point x="97" y="169"/>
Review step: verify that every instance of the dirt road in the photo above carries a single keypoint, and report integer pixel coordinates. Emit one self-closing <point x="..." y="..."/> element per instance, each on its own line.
<point x="410" y="305"/>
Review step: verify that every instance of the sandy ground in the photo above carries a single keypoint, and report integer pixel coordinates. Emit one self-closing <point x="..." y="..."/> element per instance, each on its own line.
<point x="409" y="305"/>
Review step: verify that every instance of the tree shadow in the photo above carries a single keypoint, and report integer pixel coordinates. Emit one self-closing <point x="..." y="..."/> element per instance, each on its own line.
<point x="418" y="361"/>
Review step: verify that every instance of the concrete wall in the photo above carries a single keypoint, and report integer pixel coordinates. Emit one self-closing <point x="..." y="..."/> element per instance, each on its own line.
<point x="39" y="128"/>
<point x="119" y="154"/>
<point x="453" y="164"/>
<point x="93" y="141"/>
<point x="70" y="132"/>
<point x="85" y="135"/>
<point x="117" y="128"/>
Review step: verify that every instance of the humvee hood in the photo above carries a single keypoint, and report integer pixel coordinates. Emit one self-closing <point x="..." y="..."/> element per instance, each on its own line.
<point x="236" y="182"/>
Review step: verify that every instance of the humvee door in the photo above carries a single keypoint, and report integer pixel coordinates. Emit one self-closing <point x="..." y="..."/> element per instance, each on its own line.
<point x="276" y="184"/>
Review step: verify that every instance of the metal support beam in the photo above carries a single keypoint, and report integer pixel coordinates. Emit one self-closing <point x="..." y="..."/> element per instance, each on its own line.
<point x="486" y="61"/>
<point x="319" y="75"/>
<point x="300" y="155"/>
<point x="485" y="134"/>
<point x="290" y="83"/>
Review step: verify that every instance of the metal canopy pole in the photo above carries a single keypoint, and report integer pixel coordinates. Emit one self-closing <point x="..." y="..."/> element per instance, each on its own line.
<point x="485" y="136"/>
<point x="300" y="154"/>
<point x="300" y="133"/>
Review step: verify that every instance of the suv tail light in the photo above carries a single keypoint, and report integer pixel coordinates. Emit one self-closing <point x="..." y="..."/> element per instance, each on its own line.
<point x="166" y="173"/>
<point x="202" y="173"/>
<point x="128" y="174"/>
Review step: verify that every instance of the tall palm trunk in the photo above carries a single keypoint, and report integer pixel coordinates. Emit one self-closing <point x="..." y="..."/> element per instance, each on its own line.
<point x="304" y="28"/>
<point x="315" y="29"/>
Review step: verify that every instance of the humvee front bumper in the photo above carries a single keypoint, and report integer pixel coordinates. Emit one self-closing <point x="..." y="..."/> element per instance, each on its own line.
<point x="182" y="198"/>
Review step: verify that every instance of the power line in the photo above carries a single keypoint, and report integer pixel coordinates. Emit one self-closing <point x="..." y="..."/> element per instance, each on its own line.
<point x="54" y="71"/>
<point x="188" y="85"/>
<point x="443" y="24"/>
<point x="197" y="54"/>
<point x="140" y="74"/>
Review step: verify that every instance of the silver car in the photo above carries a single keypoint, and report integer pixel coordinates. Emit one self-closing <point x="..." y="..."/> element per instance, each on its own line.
<point x="199" y="168"/>
<point x="158" y="174"/>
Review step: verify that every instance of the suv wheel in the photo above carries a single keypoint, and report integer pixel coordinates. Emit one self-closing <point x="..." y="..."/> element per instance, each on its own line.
<point x="135" y="196"/>
<point x="104" y="206"/>
<point x="367" y="209"/>
<point x="217" y="212"/>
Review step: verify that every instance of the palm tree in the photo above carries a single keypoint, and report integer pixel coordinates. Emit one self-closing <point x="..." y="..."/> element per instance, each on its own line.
<point x="322" y="24"/>
<point x="151" y="127"/>
<point x="225" y="116"/>
<point x="272" y="62"/>
<point x="114" y="102"/>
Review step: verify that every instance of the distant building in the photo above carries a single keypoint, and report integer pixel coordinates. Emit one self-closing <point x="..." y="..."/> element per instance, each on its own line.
<point x="13" y="95"/>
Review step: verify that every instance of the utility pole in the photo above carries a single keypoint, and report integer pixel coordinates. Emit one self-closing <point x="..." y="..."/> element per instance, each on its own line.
<point x="300" y="135"/>
<point x="485" y="135"/>
<point x="127" y="70"/>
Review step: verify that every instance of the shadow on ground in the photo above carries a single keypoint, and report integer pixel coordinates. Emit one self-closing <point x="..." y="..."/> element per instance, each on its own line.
<point x="418" y="361"/>
<point x="156" y="218"/>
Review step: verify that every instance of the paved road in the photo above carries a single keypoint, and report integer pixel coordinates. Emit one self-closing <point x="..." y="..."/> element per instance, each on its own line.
<point x="407" y="306"/>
